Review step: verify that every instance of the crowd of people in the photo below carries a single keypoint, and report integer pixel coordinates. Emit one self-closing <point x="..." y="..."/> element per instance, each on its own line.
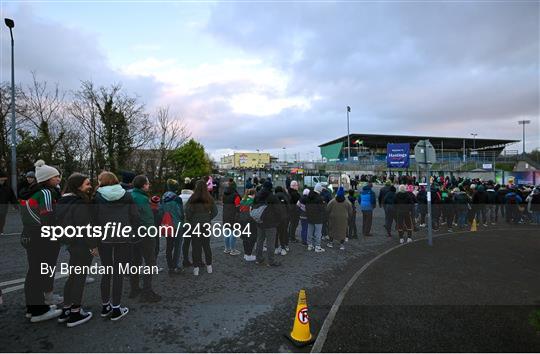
<point x="268" y="215"/>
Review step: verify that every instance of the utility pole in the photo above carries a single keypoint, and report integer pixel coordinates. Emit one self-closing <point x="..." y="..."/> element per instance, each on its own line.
<point x="348" y="136"/>
<point x="524" y="122"/>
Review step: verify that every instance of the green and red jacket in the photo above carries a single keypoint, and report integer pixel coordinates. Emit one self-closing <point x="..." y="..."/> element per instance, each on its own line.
<point x="37" y="205"/>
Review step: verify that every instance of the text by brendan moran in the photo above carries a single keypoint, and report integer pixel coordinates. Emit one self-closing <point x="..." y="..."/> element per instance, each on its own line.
<point x="95" y="269"/>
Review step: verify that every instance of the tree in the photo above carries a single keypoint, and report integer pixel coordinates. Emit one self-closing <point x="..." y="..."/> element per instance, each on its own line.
<point x="116" y="122"/>
<point x="172" y="133"/>
<point x="5" y="119"/>
<point x="44" y="113"/>
<point x="190" y="160"/>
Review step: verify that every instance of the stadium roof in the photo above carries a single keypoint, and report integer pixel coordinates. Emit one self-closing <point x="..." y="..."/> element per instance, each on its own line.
<point x="380" y="141"/>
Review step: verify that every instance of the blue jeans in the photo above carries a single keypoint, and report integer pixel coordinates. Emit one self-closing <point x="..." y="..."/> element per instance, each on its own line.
<point x="314" y="234"/>
<point x="462" y="218"/>
<point x="230" y="241"/>
<point x="173" y="250"/>
<point x="303" y="232"/>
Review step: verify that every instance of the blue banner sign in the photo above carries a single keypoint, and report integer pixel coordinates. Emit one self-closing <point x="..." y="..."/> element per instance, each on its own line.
<point x="397" y="155"/>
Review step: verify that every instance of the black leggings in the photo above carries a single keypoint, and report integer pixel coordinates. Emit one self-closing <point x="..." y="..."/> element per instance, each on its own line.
<point x="40" y="250"/>
<point x="79" y="255"/>
<point x="185" y="251"/>
<point x="282" y="239"/>
<point x="113" y="254"/>
<point x="143" y="250"/>
<point x="198" y="244"/>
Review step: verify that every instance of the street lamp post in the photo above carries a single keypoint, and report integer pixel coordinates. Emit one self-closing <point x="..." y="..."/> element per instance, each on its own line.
<point x="348" y="135"/>
<point x="474" y="140"/>
<point x="474" y="149"/>
<point x="10" y="23"/>
<point x="524" y="122"/>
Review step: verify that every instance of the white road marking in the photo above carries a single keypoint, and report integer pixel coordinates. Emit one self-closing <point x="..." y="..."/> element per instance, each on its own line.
<point x="21" y="286"/>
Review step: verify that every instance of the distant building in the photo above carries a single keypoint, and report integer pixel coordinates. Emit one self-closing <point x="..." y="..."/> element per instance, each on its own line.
<point x="373" y="147"/>
<point x="245" y="160"/>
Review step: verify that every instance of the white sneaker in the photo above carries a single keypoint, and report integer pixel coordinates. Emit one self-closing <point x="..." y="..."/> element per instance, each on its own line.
<point x="246" y="257"/>
<point x="319" y="249"/>
<point x="409" y="240"/>
<point x="283" y="252"/>
<point x="53" y="299"/>
<point x="342" y="247"/>
<point x="209" y="269"/>
<point x="277" y="250"/>
<point x="485" y="225"/>
<point x="310" y="247"/>
<point x="52" y="313"/>
<point x="252" y="258"/>
<point x="287" y="248"/>
<point x="401" y="240"/>
<point x="330" y="245"/>
<point x="422" y="225"/>
<point x="265" y="249"/>
<point x="196" y="271"/>
<point x="234" y="252"/>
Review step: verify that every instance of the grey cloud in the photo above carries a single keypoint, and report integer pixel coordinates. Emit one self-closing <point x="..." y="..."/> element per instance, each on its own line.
<point x="59" y="54"/>
<point x="400" y="65"/>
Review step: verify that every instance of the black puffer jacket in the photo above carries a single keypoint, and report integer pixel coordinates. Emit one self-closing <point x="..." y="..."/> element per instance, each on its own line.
<point x="122" y="211"/>
<point x="6" y="196"/>
<point x="315" y="208"/>
<point x="403" y="202"/>
<point x="72" y="210"/>
<point x="231" y="201"/>
<point x="294" y="198"/>
<point x="274" y="213"/>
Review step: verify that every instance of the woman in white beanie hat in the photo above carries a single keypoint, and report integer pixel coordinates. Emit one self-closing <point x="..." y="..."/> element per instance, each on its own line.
<point x="39" y="211"/>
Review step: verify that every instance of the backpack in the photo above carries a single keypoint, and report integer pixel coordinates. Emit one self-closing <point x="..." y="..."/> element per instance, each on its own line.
<point x="167" y="220"/>
<point x="257" y="213"/>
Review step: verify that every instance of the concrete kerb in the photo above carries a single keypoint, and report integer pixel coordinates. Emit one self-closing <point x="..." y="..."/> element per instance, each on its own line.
<point x="323" y="333"/>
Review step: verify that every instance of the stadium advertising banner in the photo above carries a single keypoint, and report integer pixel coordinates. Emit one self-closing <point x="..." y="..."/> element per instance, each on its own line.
<point x="397" y="155"/>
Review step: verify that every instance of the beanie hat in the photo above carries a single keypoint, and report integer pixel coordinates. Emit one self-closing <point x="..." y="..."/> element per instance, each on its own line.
<point x="30" y="174"/>
<point x="45" y="172"/>
<point x="127" y="177"/>
<point x="172" y="185"/>
<point x="340" y="192"/>
<point x="294" y="185"/>
<point x="318" y="188"/>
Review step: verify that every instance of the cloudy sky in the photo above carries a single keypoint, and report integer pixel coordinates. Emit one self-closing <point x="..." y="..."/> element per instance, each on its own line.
<point x="273" y="74"/>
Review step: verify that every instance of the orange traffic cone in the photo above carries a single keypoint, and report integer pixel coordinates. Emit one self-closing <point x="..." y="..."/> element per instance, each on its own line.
<point x="473" y="226"/>
<point x="300" y="334"/>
